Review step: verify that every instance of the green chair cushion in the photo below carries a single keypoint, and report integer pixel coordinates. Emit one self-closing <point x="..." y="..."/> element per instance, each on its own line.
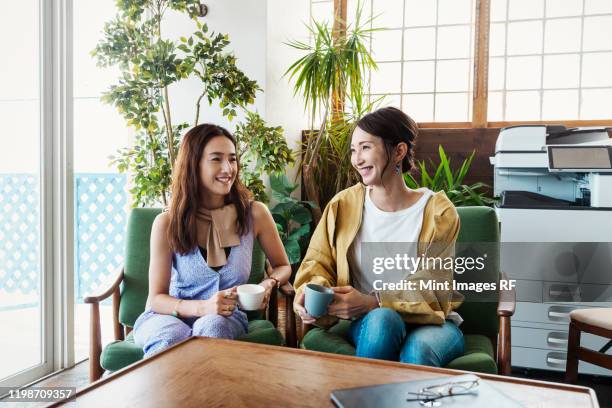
<point x="334" y="340"/>
<point x="478" y="355"/>
<point x="119" y="354"/>
<point x="263" y="332"/>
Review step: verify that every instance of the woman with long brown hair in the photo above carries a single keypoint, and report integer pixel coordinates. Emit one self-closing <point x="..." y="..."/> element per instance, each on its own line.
<point x="201" y="248"/>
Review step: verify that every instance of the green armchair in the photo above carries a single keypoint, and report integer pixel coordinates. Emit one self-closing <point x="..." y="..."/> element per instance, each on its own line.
<point x="486" y="325"/>
<point x="129" y="294"/>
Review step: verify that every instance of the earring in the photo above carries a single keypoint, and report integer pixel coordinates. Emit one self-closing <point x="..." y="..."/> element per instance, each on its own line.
<point x="398" y="169"/>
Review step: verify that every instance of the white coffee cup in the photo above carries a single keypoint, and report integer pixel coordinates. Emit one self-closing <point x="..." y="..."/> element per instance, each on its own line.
<point x="250" y="296"/>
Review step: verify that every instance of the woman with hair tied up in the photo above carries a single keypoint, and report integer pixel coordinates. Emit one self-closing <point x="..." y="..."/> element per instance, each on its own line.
<point x="413" y="326"/>
<point x="201" y="248"/>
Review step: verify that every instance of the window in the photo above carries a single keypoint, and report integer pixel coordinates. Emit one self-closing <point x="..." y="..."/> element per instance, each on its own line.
<point x="322" y="10"/>
<point x="491" y="62"/>
<point x="36" y="238"/>
<point x="424" y="57"/>
<point x="549" y="60"/>
<point x="424" y="53"/>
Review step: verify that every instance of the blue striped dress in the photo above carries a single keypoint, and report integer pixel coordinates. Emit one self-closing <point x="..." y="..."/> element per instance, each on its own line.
<point x="193" y="279"/>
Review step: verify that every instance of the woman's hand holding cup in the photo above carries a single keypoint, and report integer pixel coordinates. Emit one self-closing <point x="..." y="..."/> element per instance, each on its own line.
<point x="298" y="305"/>
<point x="222" y="303"/>
<point x="269" y="285"/>
<point x="312" y="303"/>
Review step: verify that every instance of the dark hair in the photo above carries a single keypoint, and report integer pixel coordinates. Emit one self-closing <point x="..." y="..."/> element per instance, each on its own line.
<point x="394" y="127"/>
<point x="187" y="191"/>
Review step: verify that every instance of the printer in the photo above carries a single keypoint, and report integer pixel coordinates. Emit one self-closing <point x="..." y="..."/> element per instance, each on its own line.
<point x="555" y="211"/>
<point x="554" y="184"/>
<point x="553" y="167"/>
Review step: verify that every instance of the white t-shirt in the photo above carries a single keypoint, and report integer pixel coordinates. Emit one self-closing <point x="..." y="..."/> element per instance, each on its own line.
<point x="385" y="226"/>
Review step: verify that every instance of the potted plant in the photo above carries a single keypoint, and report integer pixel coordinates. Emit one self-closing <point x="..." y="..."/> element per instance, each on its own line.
<point x="262" y="150"/>
<point x="149" y="64"/>
<point x="449" y="180"/>
<point x="293" y="218"/>
<point x="331" y="77"/>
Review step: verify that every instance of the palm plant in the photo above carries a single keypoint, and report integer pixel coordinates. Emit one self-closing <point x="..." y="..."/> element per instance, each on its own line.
<point x="444" y="178"/>
<point x="331" y="78"/>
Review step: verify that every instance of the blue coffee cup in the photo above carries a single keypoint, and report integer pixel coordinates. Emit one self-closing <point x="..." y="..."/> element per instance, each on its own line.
<point x="318" y="297"/>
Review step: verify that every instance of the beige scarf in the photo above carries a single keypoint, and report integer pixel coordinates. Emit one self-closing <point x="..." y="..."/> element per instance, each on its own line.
<point x="218" y="230"/>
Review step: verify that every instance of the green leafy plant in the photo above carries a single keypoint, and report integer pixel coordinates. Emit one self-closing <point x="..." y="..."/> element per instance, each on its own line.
<point x="444" y="178"/>
<point x="331" y="78"/>
<point x="292" y="217"/>
<point x="263" y="150"/>
<point x="149" y="64"/>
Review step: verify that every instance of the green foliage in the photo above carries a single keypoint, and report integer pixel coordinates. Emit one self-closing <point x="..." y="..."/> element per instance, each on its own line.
<point x="148" y="161"/>
<point x="253" y="182"/>
<point x="331" y="77"/>
<point x="150" y="63"/>
<point x="134" y="9"/>
<point x="262" y="150"/>
<point x="206" y="55"/>
<point x="444" y="178"/>
<point x="292" y="217"/>
<point x="333" y="65"/>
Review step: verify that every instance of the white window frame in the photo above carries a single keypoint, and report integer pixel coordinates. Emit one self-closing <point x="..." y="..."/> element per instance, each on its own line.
<point x="56" y="194"/>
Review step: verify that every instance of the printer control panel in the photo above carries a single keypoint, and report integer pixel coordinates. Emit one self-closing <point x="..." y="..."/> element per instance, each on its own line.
<point x="572" y="158"/>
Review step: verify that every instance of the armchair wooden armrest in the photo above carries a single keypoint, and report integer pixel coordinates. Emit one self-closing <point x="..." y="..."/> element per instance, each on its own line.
<point x="505" y="309"/>
<point x="108" y="291"/>
<point x="289" y="293"/>
<point x="288" y="290"/>
<point x="306" y="327"/>
<point x="507" y="300"/>
<point x="95" y="336"/>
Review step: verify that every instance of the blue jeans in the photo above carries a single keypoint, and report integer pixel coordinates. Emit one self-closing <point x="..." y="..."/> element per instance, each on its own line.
<point x="382" y="334"/>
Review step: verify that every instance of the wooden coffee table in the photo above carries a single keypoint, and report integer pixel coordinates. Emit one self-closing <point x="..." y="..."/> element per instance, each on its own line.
<point x="211" y="372"/>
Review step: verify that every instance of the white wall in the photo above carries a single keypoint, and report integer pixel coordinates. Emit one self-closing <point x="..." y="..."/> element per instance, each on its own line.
<point x="285" y="22"/>
<point x="99" y="129"/>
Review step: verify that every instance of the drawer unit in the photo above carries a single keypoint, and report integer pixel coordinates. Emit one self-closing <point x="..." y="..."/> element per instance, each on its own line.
<point x="552" y="339"/>
<point x="550" y="360"/>
<point x="539" y="336"/>
<point x="554" y="313"/>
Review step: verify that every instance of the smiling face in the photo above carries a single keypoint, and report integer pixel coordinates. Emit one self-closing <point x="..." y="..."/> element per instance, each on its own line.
<point x="218" y="166"/>
<point x="369" y="157"/>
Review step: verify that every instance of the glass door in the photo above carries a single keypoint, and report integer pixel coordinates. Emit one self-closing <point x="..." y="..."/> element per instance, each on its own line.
<point x="23" y="340"/>
<point x="101" y="200"/>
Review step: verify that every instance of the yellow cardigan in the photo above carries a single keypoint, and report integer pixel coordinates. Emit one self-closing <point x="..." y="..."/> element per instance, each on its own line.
<point x="326" y="260"/>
